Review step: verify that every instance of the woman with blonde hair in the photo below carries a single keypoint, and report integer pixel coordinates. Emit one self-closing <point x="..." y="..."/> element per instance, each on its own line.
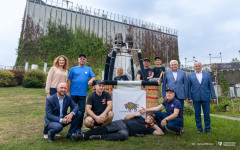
<point x="120" y="75"/>
<point x="57" y="74"/>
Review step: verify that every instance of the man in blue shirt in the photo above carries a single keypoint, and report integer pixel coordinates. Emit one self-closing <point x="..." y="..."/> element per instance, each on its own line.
<point x="78" y="81"/>
<point x="56" y="113"/>
<point x="173" y="117"/>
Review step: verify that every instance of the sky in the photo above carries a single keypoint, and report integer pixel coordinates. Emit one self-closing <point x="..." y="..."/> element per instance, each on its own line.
<point x="204" y="26"/>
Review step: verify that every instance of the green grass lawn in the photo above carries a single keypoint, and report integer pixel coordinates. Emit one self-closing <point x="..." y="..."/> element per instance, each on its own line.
<point x="21" y="126"/>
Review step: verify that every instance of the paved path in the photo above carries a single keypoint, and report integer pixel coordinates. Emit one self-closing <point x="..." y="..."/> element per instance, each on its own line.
<point x="227" y="117"/>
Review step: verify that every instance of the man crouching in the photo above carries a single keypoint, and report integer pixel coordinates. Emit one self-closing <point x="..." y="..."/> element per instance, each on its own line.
<point x="99" y="107"/>
<point x="132" y="125"/>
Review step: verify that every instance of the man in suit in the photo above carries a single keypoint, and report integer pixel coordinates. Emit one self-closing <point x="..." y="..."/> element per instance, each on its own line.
<point x="176" y="79"/>
<point x="200" y="89"/>
<point x="56" y="113"/>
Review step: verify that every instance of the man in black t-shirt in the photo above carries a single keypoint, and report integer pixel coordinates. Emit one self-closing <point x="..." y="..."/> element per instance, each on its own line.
<point x="132" y="125"/>
<point x="98" y="107"/>
<point x="147" y="70"/>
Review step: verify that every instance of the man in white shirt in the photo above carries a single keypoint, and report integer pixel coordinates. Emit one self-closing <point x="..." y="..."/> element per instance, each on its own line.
<point x="200" y="89"/>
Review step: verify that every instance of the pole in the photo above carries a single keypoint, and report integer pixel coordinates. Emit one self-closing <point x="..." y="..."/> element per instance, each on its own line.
<point x="185" y="62"/>
<point x="221" y="56"/>
<point x="216" y="85"/>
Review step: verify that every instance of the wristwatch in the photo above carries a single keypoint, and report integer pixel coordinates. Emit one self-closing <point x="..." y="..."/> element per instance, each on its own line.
<point x="166" y="119"/>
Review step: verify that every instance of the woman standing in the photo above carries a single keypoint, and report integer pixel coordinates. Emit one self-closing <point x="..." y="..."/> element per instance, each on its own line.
<point x="57" y="74"/>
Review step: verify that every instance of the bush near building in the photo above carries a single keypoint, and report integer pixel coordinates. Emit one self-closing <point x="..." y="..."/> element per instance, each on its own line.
<point x="5" y="77"/>
<point x="34" y="79"/>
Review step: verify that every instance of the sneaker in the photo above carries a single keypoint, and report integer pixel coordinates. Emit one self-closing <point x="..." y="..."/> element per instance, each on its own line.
<point x="57" y="135"/>
<point x="45" y="136"/>
<point x="95" y="137"/>
<point x="78" y="136"/>
<point x="182" y="131"/>
<point x="179" y="133"/>
<point x="208" y="133"/>
<point x="199" y="131"/>
<point x="70" y="137"/>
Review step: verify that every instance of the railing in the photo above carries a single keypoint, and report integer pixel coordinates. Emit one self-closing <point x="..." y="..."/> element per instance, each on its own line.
<point x="68" y="5"/>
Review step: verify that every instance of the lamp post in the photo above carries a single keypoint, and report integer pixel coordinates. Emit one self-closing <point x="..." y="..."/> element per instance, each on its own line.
<point x="220" y="56"/>
<point x="185" y="62"/>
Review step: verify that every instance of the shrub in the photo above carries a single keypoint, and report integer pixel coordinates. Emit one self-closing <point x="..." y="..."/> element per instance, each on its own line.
<point x="34" y="79"/>
<point x="221" y="107"/>
<point x="18" y="77"/>
<point x="5" y="77"/>
<point x="188" y="110"/>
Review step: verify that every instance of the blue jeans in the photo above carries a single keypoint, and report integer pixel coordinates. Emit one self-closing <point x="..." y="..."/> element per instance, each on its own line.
<point x="53" y="91"/>
<point x="174" y="124"/>
<point x="206" y="111"/>
<point x="81" y="102"/>
<point x="56" y="127"/>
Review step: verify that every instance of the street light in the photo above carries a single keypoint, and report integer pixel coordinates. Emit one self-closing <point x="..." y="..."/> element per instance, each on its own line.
<point x="185" y="62"/>
<point x="221" y="56"/>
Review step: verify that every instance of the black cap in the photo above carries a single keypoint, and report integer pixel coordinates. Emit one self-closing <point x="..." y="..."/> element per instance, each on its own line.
<point x="169" y="89"/>
<point x="146" y="59"/>
<point x="153" y="115"/>
<point x="157" y="58"/>
<point x="82" y="55"/>
<point x="99" y="82"/>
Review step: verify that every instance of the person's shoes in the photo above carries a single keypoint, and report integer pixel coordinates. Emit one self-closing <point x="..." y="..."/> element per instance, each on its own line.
<point x="182" y="131"/>
<point x="45" y="136"/>
<point x="95" y="137"/>
<point x="70" y="137"/>
<point x="179" y="133"/>
<point x="208" y="133"/>
<point x="139" y="135"/>
<point x="199" y="131"/>
<point x="78" y="136"/>
<point x="50" y="137"/>
<point x="57" y="135"/>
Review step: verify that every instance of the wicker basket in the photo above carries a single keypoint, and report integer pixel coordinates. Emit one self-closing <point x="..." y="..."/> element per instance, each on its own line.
<point x="151" y="94"/>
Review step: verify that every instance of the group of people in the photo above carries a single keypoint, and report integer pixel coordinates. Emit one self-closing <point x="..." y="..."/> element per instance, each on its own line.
<point x="176" y="88"/>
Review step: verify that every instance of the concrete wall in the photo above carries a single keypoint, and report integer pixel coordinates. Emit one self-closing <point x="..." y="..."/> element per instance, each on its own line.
<point x="104" y="25"/>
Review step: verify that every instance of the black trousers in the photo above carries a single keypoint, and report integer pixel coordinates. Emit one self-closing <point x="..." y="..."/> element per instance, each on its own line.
<point x="115" y="131"/>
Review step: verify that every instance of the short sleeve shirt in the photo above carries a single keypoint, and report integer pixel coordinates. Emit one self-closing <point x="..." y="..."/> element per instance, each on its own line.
<point x="98" y="103"/>
<point x="137" y="125"/>
<point x="80" y="77"/>
<point x="171" y="105"/>
<point x="121" y="78"/>
<point x="148" y="73"/>
<point x="157" y="71"/>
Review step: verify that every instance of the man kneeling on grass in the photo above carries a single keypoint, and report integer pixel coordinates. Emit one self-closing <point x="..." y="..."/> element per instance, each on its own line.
<point x="99" y="107"/>
<point x="132" y="125"/>
<point x="173" y="117"/>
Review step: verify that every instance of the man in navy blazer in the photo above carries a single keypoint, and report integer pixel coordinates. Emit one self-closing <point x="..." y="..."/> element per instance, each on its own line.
<point x="56" y="113"/>
<point x="177" y="80"/>
<point x="200" y="90"/>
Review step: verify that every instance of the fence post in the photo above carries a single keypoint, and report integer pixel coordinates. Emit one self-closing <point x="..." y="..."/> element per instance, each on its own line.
<point x="45" y="68"/>
<point x="26" y="67"/>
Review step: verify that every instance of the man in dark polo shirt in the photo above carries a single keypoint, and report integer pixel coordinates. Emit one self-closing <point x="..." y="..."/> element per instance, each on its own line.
<point x="132" y="125"/>
<point x="99" y="107"/>
<point x="147" y="70"/>
<point x="173" y="117"/>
